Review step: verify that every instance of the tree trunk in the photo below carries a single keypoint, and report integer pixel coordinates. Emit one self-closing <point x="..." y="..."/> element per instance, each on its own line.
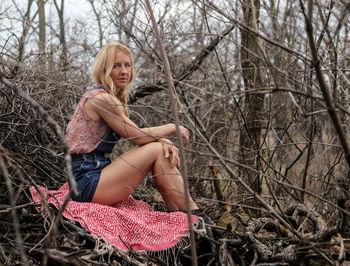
<point x="22" y="41"/>
<point x="98" y="19"/>
<point x="42" y="27"/>
<point x="60" y="12"/>
<point x="253" y="104"/>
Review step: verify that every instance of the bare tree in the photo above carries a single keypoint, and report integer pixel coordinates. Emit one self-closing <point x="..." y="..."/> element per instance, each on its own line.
<point x="42" y="26"/>
<point x="250" y="137"/>
<point x="60" y="12"/>
<point x="99" y="23"/>
<point x="25" y="29"/>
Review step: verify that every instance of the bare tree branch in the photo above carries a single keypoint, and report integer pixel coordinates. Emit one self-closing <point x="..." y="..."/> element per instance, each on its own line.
<point x="175" y="112"/>
<point x="323" y="86"/>
<point x="186" y="71"/>
<point x="56" y="128"/>
<point x="13" y="211"/>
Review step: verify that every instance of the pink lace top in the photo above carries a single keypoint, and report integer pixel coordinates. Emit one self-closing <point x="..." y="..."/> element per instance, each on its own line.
<point x="83" y="134"/>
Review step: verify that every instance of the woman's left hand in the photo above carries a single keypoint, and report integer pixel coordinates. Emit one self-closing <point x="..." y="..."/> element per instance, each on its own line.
<point x="170" y="149"/>
<point x="184" y="133"/>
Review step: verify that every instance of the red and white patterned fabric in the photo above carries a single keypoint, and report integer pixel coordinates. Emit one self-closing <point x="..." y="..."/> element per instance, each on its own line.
<point x="130" y="221"/>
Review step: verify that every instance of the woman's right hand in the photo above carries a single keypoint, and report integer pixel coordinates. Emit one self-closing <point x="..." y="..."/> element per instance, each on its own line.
<point x="170" y="148"/>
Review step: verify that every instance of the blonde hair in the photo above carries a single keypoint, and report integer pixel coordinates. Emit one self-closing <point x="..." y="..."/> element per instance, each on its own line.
<point x="103" y="66"/>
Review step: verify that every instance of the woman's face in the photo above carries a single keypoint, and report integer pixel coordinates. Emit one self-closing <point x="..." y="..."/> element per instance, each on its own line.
<point x="121" y="72"/>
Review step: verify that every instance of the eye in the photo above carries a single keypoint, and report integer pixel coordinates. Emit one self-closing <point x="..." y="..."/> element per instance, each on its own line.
<point x="116" y="66"/>
<point x="128" y="65"/>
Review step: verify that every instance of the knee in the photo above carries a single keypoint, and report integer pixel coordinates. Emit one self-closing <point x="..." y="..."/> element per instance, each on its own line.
<point x="156" y="148"/>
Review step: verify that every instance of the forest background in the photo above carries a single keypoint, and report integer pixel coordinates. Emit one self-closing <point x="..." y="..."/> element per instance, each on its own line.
<point x="263" y="86"/>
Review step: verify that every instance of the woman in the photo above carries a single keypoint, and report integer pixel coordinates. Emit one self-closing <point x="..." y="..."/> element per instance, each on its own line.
<point x="99" y="121"/>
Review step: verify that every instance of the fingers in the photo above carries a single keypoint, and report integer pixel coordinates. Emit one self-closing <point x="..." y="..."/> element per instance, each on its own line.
<point x="166" y="150"/>
<point x="175" y="160"/>
<point x="185" y="133"/>
<point x="170" y="148"/>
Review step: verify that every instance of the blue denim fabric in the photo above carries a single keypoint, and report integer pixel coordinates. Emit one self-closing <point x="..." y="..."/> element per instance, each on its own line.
<point x="87" y="170"/>
<point x="108" y="142"/>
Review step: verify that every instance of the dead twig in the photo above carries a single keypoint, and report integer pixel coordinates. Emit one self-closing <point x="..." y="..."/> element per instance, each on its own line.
<point x="255" y="195"/>
<point x="175" y="112"/>
<point x="19" y="238"/>
<point x="57" y="129"/>
<point x="316" y="63"/>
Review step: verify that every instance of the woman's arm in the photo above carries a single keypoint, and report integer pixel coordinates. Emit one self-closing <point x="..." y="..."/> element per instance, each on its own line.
<point x="106" y="107"/>
<point x="166" y="130"/>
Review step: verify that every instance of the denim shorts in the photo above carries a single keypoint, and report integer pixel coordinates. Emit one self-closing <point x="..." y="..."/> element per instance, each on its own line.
<point x="87" y="169"/>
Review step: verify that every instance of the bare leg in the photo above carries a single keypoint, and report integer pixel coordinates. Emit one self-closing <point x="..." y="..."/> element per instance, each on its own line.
<point x="123" y="175"/>
<point x="170" y="184"/>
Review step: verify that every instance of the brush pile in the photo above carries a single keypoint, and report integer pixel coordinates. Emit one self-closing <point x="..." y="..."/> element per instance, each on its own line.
<point x="32" y="154"/>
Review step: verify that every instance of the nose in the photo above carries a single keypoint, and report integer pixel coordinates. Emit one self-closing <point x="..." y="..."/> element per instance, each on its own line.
<point x="123" y="69"/>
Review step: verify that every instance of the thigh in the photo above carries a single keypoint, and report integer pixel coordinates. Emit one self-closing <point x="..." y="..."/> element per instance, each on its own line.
<point x="120" y="178"/>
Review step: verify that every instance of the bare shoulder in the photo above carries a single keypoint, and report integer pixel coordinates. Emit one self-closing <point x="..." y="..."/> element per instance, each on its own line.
<point x="105" y="97"/>
<point x="105" y="101"/>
